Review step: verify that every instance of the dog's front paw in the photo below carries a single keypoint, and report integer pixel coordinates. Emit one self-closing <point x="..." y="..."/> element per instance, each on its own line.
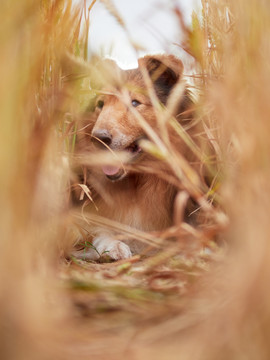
<point x="115" y="249"/>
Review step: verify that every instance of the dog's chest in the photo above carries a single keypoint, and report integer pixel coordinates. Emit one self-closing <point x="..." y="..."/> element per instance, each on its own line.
<point x="146" y="212"/>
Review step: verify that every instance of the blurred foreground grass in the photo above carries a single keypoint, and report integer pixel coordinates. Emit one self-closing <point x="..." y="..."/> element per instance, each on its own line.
<point x="181" y="304"/>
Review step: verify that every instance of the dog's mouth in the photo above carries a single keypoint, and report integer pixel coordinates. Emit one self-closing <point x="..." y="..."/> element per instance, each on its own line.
<point x="115" y="173"/>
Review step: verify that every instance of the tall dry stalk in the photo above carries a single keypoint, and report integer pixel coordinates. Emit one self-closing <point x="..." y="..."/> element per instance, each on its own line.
<point x="33" y="38"/>
<point x="234" y="62"/>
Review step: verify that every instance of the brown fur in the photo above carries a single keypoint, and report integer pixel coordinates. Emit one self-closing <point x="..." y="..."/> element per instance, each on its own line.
<point x="142" y="200"/>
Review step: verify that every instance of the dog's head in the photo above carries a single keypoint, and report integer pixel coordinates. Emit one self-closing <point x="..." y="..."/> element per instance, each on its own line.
<point x="124" y="101"/>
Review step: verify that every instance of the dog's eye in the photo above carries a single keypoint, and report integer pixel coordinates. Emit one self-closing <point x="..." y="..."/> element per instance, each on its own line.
<point x="100" y="104"/>
<point x="135" y="103"/>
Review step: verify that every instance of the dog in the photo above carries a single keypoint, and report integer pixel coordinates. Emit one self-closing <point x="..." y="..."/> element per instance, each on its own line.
<point x="135" y="191"/>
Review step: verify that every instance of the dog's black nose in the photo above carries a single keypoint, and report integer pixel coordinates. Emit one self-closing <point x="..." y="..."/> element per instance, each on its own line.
<point x="101" y="137"/>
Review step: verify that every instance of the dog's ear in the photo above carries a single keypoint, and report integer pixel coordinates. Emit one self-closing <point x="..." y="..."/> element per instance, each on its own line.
<point x="165" y="71"/>
<point x="104" y="72"/>
<point x="73" y="68"/>
<point x="99" y="71"/>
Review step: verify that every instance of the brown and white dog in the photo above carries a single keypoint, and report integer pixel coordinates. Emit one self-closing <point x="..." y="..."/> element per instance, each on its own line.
<point x="131" y="193"/>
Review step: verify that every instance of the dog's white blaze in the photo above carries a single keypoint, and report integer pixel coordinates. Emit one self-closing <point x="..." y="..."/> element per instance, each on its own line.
<point x="121" y="140"/>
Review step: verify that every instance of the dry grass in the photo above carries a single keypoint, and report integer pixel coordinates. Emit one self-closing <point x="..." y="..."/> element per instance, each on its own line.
<point x="184" y="300"/>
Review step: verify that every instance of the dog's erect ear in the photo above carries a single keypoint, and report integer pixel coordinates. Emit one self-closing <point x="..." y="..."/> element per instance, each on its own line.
<point x="104" y="72"/>
<point x="74" y="69"/>
<point x="99" y="71"/>
<point x="165" y="71"/>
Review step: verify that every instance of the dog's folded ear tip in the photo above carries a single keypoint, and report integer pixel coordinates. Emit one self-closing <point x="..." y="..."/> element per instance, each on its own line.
<point x="152" y="62"/>
<point x="165" y="71"/>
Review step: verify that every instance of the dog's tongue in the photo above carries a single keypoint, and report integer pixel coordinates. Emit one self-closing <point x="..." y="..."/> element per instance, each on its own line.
<point x="110" y="170"/>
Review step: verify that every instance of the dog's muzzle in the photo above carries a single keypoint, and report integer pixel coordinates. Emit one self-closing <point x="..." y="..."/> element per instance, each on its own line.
<point x="102" y="139"/>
